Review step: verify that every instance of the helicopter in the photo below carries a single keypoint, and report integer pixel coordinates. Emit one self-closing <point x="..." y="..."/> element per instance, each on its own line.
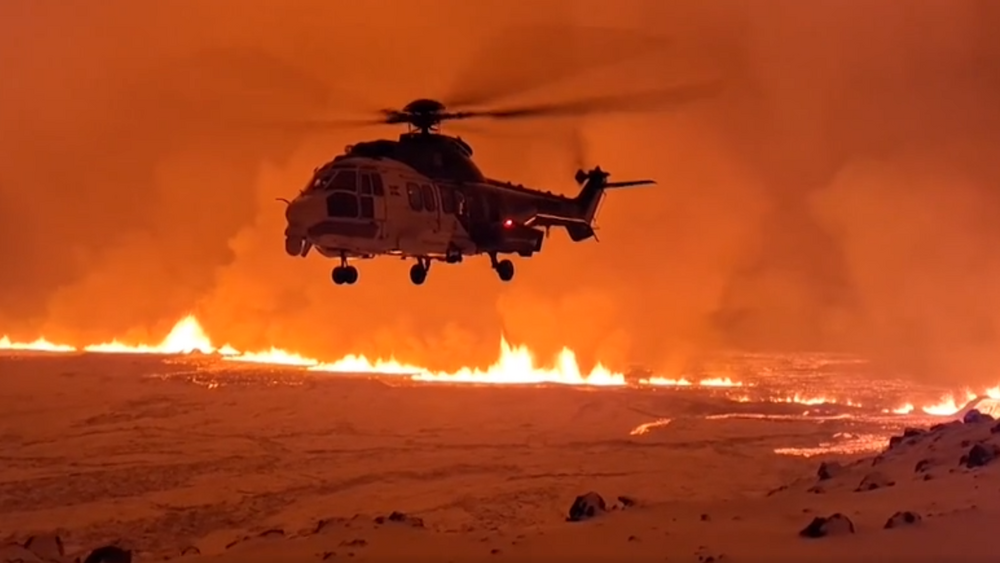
<point x="422" y="197"/>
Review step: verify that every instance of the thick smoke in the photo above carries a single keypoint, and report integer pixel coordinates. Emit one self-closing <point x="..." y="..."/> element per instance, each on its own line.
<point x="840" y="194"/>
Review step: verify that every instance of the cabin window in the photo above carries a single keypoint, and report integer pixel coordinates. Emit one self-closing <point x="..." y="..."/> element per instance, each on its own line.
<point x="366" y="184"/>
<point x="413" y="193"/>
<point x="340" y="204"/>
<point x="377" y="188"/>
<point x="447" y="199"/>
<point x="367" y="208"/>
<point x="427" y="195"/>
<point x="344" y="180"/>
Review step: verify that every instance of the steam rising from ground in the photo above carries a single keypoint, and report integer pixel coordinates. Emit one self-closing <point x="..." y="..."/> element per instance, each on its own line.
<point x="840" y="195"/>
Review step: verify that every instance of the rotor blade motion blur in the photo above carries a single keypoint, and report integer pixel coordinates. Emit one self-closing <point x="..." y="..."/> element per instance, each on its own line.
<point x="569" y="51"/>
<point x="642" y="101"/>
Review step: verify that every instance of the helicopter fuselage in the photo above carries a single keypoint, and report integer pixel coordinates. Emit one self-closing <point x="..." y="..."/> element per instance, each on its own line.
<point x="363" y="207"/>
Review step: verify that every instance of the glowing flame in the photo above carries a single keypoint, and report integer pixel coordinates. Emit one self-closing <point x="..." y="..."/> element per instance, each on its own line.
<point x="274" y="356"/>
<point x="517" y="365"/>
<point x="905" y="409"/>
<point x="682" y="382"/>
<point x="38" y="345"/>
<point x="948" y="406"/>
<point x="186" y="337"/>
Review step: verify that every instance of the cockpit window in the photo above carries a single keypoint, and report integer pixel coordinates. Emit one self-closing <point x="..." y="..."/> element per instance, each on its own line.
<point x="318" y="182"/>
<point x="344" y="180"/>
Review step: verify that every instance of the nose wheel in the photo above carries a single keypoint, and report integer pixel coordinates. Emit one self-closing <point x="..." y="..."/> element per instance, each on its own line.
<point x="418" y="272"/>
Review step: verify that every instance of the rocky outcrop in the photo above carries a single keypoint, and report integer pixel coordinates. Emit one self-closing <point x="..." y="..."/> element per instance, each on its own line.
<point x="872" y="481"/>
<point x="980" y="455"/>
<point x="587" y="506"/>
<point x="901" y="519"/>
<point x="834" y="525"/>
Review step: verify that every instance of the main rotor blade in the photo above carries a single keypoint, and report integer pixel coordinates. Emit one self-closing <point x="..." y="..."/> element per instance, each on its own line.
<point x="313" y="125"/>
<point x="640" y="101"/>
<point x="543" y="55"/>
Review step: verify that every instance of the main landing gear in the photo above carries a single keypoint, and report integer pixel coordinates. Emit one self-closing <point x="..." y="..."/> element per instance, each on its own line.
<point x="504" y="268"/>
<point x="345" y="274"/>
<point x="418" y="272"/>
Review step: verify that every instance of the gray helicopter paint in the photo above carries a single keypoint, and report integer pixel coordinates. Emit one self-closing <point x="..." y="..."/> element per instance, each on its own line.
<point x="396" y="227"/>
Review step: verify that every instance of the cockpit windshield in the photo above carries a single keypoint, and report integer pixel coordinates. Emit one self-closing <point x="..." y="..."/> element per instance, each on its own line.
<point x="334" y="179"/>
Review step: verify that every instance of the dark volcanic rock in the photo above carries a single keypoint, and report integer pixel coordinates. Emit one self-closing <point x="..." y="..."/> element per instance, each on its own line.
<point x="909" y="436"/>
<point x="979" y="455"/>
<point x="828" y="470"/>
<point x="46" y="546"/>
<point x="872" y="481"/>
<point x="922" y="465"/>
<point x="995" y="429"/>
<point x="586" y="506"/>
<point x="109" y="554"/>
<point x="835" y="525"/>
<point x="401" y="518"/>
<point x="976" y="417"/>
<point x="945" y="425"/>
<point x="901" y="519"/>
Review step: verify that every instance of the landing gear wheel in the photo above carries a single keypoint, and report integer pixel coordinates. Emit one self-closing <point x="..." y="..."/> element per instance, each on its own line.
<point x="505" y="270"/>
<point x="350" y="275"/>
<point x="418" y="273"/>
<point x="345" y="275"/>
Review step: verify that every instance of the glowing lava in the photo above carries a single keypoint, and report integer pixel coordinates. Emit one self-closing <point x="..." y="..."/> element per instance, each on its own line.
<point x="517" y="365"/>
<point x="682" y="382"/>
<point x="186" y="337"/>
<point x="949" y="405"/>
<point x="39" y="345"/>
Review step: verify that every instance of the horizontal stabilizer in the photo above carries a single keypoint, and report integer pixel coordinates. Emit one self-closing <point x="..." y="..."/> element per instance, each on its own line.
<point x="543" y="220"/>
<point x="629" y="183"/>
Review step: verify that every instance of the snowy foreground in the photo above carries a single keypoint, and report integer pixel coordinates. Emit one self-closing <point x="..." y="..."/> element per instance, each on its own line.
<point x="260" y="466"/>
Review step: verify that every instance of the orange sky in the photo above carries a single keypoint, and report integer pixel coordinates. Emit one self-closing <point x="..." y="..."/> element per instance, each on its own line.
<point x="843" y="193"/>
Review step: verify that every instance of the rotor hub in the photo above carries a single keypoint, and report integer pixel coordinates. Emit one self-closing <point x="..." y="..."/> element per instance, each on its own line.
<point x="423" y="114"/>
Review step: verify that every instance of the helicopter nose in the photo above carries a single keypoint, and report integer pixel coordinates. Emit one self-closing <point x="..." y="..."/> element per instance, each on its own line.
<point x="293" y="212"/>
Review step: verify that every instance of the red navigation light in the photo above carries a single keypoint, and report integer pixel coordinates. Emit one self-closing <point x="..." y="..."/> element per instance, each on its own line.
<point x="508" y="224"/>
